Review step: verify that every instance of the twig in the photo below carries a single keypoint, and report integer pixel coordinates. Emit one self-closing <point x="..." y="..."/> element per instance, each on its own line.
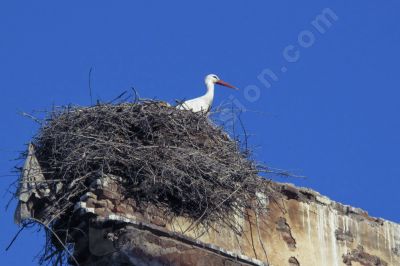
<point x="117" y="98"/>
<point x="57" y="237"/>
<point x="14" y="238"/>
<point x="31" y="117"/>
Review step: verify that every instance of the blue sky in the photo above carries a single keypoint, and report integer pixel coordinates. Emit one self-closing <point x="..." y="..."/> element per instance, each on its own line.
<point x="332" y="116"/>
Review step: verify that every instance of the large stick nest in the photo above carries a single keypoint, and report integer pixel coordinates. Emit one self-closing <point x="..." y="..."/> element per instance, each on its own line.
<point x="176" y="159"/>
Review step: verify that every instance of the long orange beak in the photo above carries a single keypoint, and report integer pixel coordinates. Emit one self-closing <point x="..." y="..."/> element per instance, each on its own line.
<point x="226" y="84"/>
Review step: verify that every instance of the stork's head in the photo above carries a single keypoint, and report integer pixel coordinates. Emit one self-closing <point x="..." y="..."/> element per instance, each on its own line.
<point x="212" y="78"/>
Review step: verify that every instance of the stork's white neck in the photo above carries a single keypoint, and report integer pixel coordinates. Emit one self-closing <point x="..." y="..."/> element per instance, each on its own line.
<point x="210" y="90"/>
<point x="209" y="96"/>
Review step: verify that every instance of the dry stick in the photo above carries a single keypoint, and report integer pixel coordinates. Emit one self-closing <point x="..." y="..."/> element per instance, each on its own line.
<point x="244" y="132"/>
<point x="282" y="209"/>
<point x="14" y="238"/>
<point x="31" y="117"/>
<point x="251" y="236"/>
<point x="58" y="238"/>
<point x="259" y="238"/>
<point x="43" y="181"/>
<point x="117" y="98"/>
<point x="238" y="242"/>
<point x="137" y="97"/>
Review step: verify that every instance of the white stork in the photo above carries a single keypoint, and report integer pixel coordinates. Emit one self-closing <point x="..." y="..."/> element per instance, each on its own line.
<point x="203" y="103"/>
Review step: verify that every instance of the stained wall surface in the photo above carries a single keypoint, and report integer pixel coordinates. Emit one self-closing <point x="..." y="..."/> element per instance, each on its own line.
<point x="304" y="228"/>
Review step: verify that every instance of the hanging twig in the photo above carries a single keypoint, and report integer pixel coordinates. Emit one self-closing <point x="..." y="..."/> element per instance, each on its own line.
<point x="14" y="238"/>
<point x="58" y="239"/>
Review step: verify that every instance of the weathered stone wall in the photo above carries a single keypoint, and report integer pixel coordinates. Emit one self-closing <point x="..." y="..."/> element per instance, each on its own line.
<point x="304" y="229"/>
<point x="130" y="244"/>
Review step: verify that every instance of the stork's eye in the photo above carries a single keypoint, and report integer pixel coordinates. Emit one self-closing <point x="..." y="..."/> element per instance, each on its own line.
<point x="215" y="77"/>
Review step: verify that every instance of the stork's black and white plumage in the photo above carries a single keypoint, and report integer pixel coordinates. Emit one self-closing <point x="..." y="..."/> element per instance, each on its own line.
<point x="203" y="103"/>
